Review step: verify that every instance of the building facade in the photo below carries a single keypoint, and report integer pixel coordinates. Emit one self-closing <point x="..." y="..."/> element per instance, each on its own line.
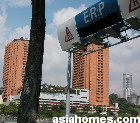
<point x="14" y="66"/>
<point x="127" y="85"/>
<point x="92" y="72"/>
<point x="127" y="80"/>
<point x="80" y="97"/>
<point x="138" y="100"/>
<point x="128" y="92"/>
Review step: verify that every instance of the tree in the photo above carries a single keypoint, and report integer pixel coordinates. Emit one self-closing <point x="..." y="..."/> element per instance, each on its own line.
<point x="73" y="109"/>
<point x="122" y="104"/>
<point x="11" y="110"/>
<point x="8" y="110"/>
<point x="132" y="112"/>
<point x="110" y="113"/>
<point x="127" y="108"/>
<point x="55" y="108"/>
<point x="62" y="106"/>
<point x="113" y="98"/>
<point x="33" y="72"/>
<point x="43" y="108"/>
<point x="86" y="108"/>
<point x="98" y="109"/>
<point x="2" y="108"/>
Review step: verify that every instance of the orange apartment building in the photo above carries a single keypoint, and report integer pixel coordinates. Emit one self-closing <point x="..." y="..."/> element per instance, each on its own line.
<point x="14" y="66"/>
<point x="92" y="72"/>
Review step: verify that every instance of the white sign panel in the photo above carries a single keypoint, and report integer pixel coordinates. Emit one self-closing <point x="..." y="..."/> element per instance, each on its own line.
<point x="67" y="34"/>
<point x="130" y="8"/>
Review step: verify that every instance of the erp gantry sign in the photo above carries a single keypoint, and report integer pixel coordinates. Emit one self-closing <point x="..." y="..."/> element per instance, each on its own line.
<point x="107" y="18"/>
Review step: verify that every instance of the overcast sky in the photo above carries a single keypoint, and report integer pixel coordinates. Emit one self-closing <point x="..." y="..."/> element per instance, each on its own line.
<point x="15" y="17"/>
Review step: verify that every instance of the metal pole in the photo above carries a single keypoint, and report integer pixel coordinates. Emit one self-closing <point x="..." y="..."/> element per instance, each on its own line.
<point x="68" y="84"/>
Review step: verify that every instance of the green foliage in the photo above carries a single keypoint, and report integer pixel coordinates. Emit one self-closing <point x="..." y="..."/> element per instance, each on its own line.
<point x="51" y="88"/>
<point x="133" y="112"/>
<point x="138" y="109"/>
<point x="94" y="115"/>
<point x="123" y="102"/>
<point x="126" y="109"/>
<point x="58" y="108"/>
<point x="48" y="111"/>
<point x="9" y="110"/>
<point x="62" y="106"/>
<point x="83" y="114"/>
<point x="3" y="108"/>
<point x="42" y="109"/>
<point x="73" y="109"/>
<point x="86" y="108"/>
<point x="110" y="113"/>
<point x="113" y="98"/>
<point x="45" y="88"/>
<point x="98" y="109"/>
<point x="121" y="114"/>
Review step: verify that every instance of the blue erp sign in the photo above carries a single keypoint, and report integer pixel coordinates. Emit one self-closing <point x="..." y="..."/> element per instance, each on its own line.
<point x="97" y="17"/>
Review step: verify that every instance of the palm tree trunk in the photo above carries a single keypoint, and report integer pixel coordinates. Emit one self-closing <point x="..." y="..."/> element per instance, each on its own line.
<point x="29" y="100"/>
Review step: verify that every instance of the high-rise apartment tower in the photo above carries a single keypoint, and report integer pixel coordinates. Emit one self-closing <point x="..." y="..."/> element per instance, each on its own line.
<point x="92" y="72"/>
<point x="127" y="80"/>
<point x="128" y="92"/>
<point x="14" y="66"/>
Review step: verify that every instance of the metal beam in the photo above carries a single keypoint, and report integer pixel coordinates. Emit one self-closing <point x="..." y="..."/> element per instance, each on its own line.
<point x="134" y="22"/>
<point x="110" y="45"/>
<point x="112" y="32"/>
